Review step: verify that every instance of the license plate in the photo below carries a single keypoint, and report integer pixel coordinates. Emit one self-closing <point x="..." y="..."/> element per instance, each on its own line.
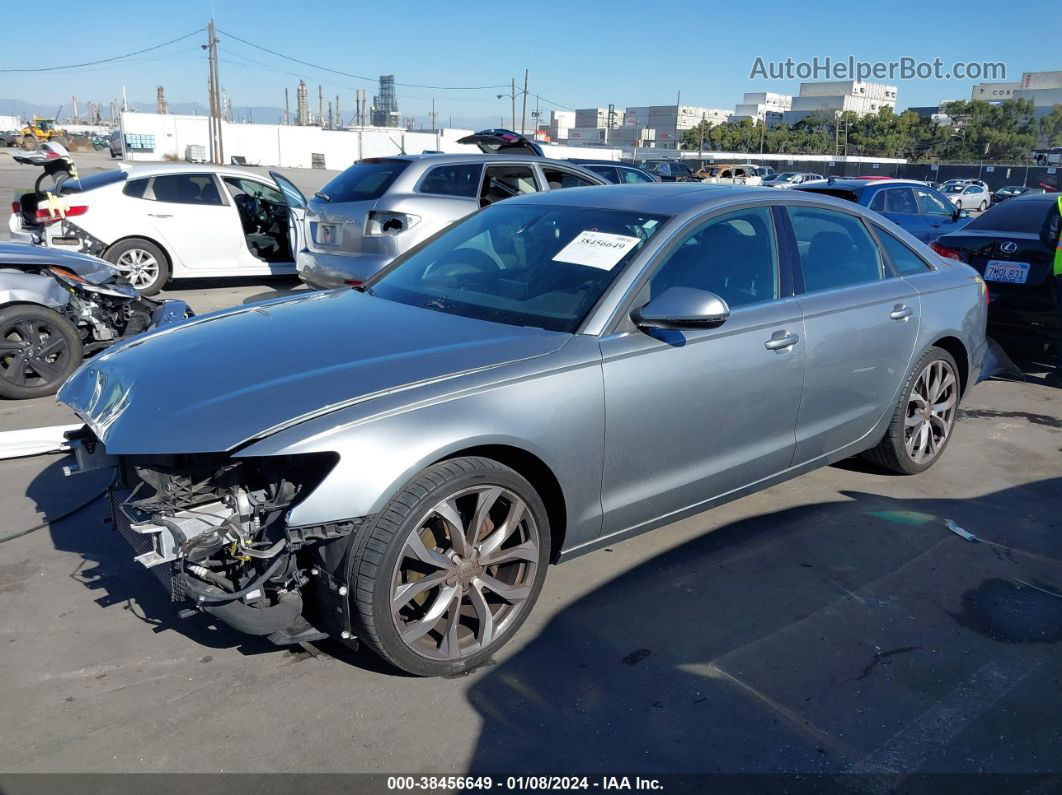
<point x="328" y="234"/>
<point x="1003" y="271"/>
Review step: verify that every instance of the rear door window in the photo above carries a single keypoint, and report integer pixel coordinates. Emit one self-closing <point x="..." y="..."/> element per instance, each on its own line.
<point x="558" y="178"/>
<point x="836" y="249"/>
<point x="186" y="189"/>
<point x="504" y="182"/>
<point x="633" y="176"/>
<point x="900" y="200"/>
<point x="904" y="260"/>
<point x="365" y="180"/>
<point x="82" y="184"/>
<point x="453" y="180"/>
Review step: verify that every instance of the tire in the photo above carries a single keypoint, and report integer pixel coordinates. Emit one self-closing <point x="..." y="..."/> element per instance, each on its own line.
<point x="912" y="444"/>
<point x="410" y="540"/>
<point x="39" y="349"/>
<point x="983" y="207"/>
<point x="142" y="263"/>
<point x="30" y="143"/>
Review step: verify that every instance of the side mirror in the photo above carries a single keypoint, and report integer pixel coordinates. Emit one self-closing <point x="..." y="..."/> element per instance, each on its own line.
<point x="682" y="307"/>
<point x="961" y="213"/>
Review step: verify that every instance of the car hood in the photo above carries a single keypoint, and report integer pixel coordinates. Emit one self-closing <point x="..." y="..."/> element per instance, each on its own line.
<point x="91" y="269"/>
<point x="217" y="381"/>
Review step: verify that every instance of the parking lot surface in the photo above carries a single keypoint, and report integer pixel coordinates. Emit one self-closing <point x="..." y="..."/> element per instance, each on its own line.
<point x="833" y="623"/>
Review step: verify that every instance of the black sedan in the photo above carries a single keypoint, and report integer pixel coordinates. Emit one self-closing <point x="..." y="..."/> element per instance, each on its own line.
<point x="1011" y="191"/>
<point x="1012" y="246"/>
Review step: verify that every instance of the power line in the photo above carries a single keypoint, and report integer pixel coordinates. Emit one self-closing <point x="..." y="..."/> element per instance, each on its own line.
<point x="109" y="60"/>
<point x="348" y="74"/>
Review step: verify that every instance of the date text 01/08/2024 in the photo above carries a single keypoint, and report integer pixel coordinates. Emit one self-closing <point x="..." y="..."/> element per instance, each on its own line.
<point x="522" y="783"/>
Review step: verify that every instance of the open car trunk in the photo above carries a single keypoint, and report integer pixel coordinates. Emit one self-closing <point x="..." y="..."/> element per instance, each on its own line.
<point x="494" y="141"/>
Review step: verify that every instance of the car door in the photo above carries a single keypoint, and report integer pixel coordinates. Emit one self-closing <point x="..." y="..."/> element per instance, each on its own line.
<point x="195" y="221"/>
<point x="861" y="324"/>
<point x="899" y="206"/>
<point x="939" y="215"/>
<point x="296" y="213"/>
<point x="695" y="414"/>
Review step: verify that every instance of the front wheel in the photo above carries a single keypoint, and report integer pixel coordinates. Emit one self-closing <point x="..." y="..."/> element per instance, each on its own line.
<point x="141" y="263"/>
<point x="449" y="570"/>
<point x="924" y="416"/>
<point x="39" y="349"/>
<point x="983" y="207"/>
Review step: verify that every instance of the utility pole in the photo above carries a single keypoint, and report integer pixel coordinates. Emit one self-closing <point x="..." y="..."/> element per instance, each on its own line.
<point x="287" y="114"/>
<point x="320" y="104"/>
<point x="217" y="151"/>
<point x="433" y="114"/>
<point x="513" y="95"/>
<point x="339" y="116"/>
<point x="523" y="110"/>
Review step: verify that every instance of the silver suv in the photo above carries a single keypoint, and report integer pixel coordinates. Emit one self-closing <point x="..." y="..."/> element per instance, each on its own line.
<point x="381" y="207"/>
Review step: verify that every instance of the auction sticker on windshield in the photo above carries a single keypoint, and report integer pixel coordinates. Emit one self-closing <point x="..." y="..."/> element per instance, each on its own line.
<point x="596" y="249"/>
<point x="1003" y="271"/>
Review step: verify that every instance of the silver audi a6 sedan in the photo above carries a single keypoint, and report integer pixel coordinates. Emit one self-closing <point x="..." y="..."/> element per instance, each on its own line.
<point x="547" y="376"/>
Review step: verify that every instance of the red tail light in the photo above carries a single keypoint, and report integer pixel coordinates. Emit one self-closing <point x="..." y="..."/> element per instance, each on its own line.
<point x="988" y="295"/>
<point x="48" y="217"/>
<point x="948" y="253"/>
<point x="353" y="283"/>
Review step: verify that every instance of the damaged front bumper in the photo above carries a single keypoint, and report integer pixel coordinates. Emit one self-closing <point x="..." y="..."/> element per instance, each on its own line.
<point x="212" y="530"/>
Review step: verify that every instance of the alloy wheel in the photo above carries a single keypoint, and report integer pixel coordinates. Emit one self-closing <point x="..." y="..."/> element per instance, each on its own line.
<point x="465" y="573"/>
<point x="32" y="352"/>
<point x="139" y="266"/>
<point x="931" y="411"/>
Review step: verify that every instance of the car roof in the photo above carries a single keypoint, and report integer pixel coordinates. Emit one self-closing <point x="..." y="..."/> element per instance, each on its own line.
<point x="871" y="184"/>
<point x="157" y="169"/>
<point x="1029" y="198"/>
<point x="667" y="198"/>
<point x="26" y="254"/>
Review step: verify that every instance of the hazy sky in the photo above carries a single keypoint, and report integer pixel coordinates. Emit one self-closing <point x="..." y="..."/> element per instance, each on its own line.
<point x="579" y="54"/>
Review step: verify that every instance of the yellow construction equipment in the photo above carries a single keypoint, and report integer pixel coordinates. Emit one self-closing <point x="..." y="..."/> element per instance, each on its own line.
<point x="40" y="130"/>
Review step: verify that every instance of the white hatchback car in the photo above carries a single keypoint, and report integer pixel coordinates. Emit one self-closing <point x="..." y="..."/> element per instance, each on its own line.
<point x="161" y="221"/>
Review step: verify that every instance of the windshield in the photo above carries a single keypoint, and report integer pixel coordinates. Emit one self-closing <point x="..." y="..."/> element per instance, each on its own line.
<point x="1011" y="189"/>
<point x="953" y="188"/>
<point x="786" y="176"/>
<point x="363" y="181"/>
<point x="82" y="184"/>
<point x="525" y="265"/>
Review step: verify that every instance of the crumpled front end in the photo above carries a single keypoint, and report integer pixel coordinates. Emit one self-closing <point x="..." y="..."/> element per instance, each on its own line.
<point x="212" y="531"/>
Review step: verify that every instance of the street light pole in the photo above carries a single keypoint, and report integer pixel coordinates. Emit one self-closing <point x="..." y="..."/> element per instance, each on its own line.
<point x="523" y="109"/>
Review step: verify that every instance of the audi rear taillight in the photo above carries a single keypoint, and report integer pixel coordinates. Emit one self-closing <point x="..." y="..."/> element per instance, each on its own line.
<point x="947" y="253"/>
<point x="46" y="216"/>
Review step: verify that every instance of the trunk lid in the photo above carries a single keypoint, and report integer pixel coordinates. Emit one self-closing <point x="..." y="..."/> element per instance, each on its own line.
<point x="492" y="142"/>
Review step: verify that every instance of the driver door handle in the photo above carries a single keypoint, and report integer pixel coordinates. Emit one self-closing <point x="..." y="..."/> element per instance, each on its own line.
<point x="901" y="311"/>
<point x="781" y="340"/>
<point x="160" y="215"/>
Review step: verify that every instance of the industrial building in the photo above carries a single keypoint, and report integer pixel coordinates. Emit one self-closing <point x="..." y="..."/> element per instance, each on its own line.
<point x="1043" y="88"/>
<point x="669" y="121"/>
<point x="764" y="106"/>
<point x="839" y="96"/>
<point x="385" y="104"/>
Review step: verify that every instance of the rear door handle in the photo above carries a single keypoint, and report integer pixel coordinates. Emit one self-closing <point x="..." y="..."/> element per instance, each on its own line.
<point x="901" y="311"/>
<point x="781" y="340"/>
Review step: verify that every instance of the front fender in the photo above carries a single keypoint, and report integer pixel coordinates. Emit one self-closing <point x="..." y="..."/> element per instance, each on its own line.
<point x="557" y="416"/>
<point x="31" y="288"/>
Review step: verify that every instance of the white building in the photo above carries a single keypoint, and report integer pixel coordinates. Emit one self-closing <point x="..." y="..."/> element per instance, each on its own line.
<point x="669" y="121"/>
<point x="840" y="96"/>
<point x="994" y="92"/>
<point x="10" y="123"/>
<point x="598" y="117"/>
<point x="762" y="106"/>
<point x="560" y="122"/>
<point x="1043" y="88"/>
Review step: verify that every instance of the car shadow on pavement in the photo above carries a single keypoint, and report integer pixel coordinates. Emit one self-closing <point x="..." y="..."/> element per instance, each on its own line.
<point x="108" y="568"/>
<point x="858" y="635"/>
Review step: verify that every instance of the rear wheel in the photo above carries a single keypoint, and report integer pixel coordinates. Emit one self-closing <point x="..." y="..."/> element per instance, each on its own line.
<point x="448" y="572"/>
<point x="142" y="263"/>
<point x="983" y="207"/>
<point x="924" y="416"/>
<point x="39" y="349"/>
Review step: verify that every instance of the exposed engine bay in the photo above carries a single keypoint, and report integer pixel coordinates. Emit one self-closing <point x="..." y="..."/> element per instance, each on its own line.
<point x="212" y="530"/>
